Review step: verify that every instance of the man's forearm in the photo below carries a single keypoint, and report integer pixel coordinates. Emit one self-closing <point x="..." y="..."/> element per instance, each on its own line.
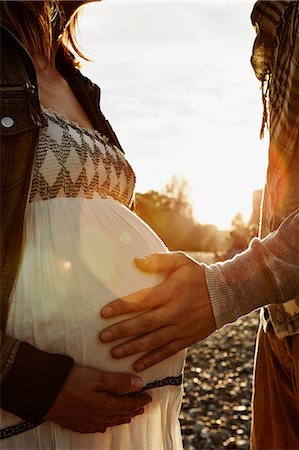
<point x="267" y="272"/>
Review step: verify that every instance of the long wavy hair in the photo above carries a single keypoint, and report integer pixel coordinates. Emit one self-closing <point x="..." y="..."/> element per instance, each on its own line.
<point x="39" y="25"/>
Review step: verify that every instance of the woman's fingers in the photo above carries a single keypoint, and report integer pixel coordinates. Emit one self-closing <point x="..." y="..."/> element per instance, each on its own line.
<point x="112" y="422"/>
<point x="86" y="400"/>
<point x="118" y="383"/>
<point x="129" y="405"/>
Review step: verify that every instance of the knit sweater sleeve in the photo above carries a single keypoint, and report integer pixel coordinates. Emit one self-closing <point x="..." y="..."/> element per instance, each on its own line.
<point x="267" y="272"/>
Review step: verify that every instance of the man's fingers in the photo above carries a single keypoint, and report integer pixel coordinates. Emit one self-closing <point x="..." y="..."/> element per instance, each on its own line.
<point x="153" y="340"/>
<point x="161" y="262"/>
<point x="138" y="301"/>
<point x="158" y="355"/>
<point x="120" y="383"/>
<point x="145" y="323"/>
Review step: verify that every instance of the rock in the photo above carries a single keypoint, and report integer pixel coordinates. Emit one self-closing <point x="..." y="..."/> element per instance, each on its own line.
<point x="239" y="408"/>
<point x="216" y="411"/>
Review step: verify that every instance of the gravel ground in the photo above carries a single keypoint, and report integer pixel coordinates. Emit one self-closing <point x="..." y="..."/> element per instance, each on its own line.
<point x="216" y="412"/>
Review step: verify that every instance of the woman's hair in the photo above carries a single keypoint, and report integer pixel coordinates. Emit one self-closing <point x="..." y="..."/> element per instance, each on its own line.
<point x="37" y="24"/>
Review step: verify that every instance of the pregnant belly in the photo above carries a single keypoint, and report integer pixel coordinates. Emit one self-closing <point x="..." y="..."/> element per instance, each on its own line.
<point x="78" y="256"/>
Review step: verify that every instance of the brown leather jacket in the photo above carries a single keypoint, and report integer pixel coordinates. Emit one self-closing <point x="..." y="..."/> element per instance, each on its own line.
<point x="30" y="378"/>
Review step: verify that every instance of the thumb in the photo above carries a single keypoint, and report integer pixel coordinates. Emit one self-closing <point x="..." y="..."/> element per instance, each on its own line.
<point x="161" y="262"/>
<point x="120" y="382"/>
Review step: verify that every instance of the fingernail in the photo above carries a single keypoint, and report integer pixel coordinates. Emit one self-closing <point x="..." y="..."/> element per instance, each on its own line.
<point x="139" y="367"/>
<point x="136" y="383"/>
<point x="106" y="336"/>
<point x="107" y="311"/>
<point x="118" y="353"/>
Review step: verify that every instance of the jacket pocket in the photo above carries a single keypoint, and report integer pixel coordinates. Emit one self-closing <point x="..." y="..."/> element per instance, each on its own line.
<point x="19" y="109"/>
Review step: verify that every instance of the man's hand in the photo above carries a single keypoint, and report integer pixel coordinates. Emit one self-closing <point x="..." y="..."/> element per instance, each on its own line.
<point x="178" y="311"/>
<point x="90" y="400"/>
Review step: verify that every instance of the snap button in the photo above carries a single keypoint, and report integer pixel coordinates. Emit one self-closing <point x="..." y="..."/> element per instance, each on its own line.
<point x="7" y="122"/>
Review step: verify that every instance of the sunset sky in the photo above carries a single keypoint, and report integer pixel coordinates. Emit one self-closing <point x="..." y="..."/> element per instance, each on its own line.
<point x="179" y="91"/>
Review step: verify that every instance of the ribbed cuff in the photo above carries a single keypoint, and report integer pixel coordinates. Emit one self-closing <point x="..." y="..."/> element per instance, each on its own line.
<point x="33" y="382"/>
<point x="239" y="286"/>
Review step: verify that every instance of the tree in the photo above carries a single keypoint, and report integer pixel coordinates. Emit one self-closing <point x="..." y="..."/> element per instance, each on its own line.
<point x="170" y="214"/>
<point x="177" y="191"/>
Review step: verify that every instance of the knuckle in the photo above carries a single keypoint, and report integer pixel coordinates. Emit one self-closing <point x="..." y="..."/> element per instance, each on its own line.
<point x="138" y="411"/>
<point x="118" y="307"/>
<point x="155" y="260"/>
<point x="145" y="324"/>
<point x="141" y="402"/>
<point x="181" y="256"/>
<point x="177" y="288"/>
<point x="132" y="348"/>
<point x="120" y="331"/>
<point x="144" y="303"/>
<point x="185" y="309"/>
<point x="127" y="419"/>
<point x="166" y="352"/>
<point x="138" y="298"/>
<point x="156" y="339"/>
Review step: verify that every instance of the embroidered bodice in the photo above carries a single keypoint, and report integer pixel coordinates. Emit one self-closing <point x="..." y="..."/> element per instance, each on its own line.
<point x="72" y="161"/>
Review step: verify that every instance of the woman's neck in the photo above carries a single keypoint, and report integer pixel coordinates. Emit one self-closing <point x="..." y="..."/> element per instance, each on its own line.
<point x="56" y="94"/>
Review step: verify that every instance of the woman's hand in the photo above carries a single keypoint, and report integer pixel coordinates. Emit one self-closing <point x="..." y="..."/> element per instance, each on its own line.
<point x="90" y="400"/>
<point x="178" y="311"/>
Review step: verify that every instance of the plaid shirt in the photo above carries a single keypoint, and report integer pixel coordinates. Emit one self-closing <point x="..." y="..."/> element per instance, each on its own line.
<point x="275" y="60"/>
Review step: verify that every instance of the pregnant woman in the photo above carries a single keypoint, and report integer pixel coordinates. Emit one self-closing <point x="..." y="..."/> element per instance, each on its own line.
<point x="77" y="243"/>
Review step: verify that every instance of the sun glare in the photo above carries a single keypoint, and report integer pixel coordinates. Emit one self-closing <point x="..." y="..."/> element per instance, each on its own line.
<point x="179" y="90"/>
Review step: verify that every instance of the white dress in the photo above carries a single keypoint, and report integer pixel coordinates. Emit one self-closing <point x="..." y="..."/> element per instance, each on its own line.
<point x="80" y="241"/>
